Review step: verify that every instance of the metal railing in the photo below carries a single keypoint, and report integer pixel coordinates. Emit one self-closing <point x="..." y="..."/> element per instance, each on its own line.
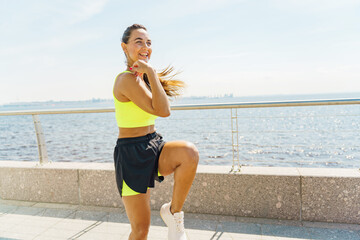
<point x="43" y="157"/>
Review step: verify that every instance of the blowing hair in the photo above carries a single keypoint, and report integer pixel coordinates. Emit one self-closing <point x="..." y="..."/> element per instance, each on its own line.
<point x="172" y="87"/>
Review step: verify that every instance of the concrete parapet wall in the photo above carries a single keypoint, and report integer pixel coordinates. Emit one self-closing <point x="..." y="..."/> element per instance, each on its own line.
<point x="309" y="194"/>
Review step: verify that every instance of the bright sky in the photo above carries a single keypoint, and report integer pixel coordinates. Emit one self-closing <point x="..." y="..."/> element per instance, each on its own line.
<point x="70" y="50"/>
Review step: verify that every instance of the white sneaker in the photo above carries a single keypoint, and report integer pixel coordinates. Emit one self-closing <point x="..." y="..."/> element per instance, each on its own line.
<point x="175" y="223"/>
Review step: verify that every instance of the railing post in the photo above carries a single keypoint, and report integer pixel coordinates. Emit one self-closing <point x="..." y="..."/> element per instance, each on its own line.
<point x="43" y="157"/>
<point x="235" y="144"/>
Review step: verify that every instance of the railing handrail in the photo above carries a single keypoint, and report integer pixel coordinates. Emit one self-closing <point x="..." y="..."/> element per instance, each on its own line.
<point x="293" y="103"/>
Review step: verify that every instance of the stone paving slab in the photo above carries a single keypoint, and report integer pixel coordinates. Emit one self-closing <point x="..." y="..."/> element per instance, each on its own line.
<point x="39" y="221"/>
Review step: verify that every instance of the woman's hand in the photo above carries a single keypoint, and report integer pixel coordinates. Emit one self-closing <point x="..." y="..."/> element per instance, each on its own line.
<point x="140" y="67"/>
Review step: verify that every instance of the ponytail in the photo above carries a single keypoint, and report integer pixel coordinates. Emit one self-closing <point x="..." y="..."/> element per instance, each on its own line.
<point x="172" y="87"/>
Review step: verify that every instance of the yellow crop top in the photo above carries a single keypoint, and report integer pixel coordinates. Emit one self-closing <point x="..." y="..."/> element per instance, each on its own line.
<point x="129" y="115"/>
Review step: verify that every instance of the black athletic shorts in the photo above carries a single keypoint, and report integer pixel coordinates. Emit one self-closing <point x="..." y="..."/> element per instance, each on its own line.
<point x="136" y="163"/>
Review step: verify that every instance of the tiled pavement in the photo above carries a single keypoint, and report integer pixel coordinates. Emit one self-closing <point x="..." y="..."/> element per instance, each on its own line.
<point x="28" y="220"/>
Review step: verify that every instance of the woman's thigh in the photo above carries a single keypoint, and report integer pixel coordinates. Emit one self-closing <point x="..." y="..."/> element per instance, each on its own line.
<point x="174" y="153"/>
<point x="138" y="210"/>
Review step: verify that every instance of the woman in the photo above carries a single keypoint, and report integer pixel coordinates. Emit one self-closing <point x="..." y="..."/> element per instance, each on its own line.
<point x="141" y="156"/>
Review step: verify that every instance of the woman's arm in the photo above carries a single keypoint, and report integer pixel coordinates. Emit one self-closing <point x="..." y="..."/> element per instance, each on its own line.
<point x="159" y="97"/>
<point x="128" y="85"/>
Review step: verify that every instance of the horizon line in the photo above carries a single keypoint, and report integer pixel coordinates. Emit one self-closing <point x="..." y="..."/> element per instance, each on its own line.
<point x="186" y="97"/>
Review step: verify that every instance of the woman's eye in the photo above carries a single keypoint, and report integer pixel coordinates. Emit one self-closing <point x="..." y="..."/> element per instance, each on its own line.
<point x="149" y="43"/>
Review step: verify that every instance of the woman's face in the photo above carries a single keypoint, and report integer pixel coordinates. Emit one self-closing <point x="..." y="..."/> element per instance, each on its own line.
<point x="138" y="46"/>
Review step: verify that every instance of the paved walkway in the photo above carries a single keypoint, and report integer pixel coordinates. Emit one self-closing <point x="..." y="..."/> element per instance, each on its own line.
<point x="28" y="220"/>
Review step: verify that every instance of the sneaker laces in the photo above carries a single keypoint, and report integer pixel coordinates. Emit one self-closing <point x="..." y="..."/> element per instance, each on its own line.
<point x="179" y="221"/>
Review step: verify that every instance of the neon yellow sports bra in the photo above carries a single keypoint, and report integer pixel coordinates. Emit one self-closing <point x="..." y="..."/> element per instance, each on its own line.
<point x="129" y="115"/>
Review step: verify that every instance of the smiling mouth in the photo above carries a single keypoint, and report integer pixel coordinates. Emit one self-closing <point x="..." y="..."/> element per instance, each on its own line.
<point x="145" y="55"/>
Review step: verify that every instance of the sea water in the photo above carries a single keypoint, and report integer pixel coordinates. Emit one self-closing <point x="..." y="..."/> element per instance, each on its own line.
<point x="318" y="136"/>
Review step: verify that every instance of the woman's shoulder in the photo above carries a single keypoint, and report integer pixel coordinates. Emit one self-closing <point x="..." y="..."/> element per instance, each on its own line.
<point x="125" y="77"/>
<point x="123" y="81"/>
<point x="124" y="74"/>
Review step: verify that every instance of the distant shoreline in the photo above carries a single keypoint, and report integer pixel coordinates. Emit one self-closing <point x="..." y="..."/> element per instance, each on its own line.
<point x="195" y="99"/>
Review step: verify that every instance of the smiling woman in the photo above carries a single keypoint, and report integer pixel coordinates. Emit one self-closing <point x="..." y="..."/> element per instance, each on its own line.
<point x="141" y="156"/>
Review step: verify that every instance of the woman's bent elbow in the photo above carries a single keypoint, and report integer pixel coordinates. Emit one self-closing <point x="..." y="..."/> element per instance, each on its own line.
<point x="165" y="114"/>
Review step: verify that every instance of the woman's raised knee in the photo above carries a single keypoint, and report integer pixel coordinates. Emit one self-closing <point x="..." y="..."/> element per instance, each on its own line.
<point x="192" y="153"/>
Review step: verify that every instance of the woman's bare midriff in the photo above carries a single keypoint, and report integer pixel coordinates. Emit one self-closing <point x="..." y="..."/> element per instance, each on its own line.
<point x="135" y="132"/>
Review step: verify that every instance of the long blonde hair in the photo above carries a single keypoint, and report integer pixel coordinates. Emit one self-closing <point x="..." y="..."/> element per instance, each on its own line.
<point x="172" y="87"/>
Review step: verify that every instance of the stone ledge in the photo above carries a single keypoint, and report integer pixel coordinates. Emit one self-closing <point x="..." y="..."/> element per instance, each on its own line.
<point x="39" y="185"/>
<point x="310" y="194"/>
